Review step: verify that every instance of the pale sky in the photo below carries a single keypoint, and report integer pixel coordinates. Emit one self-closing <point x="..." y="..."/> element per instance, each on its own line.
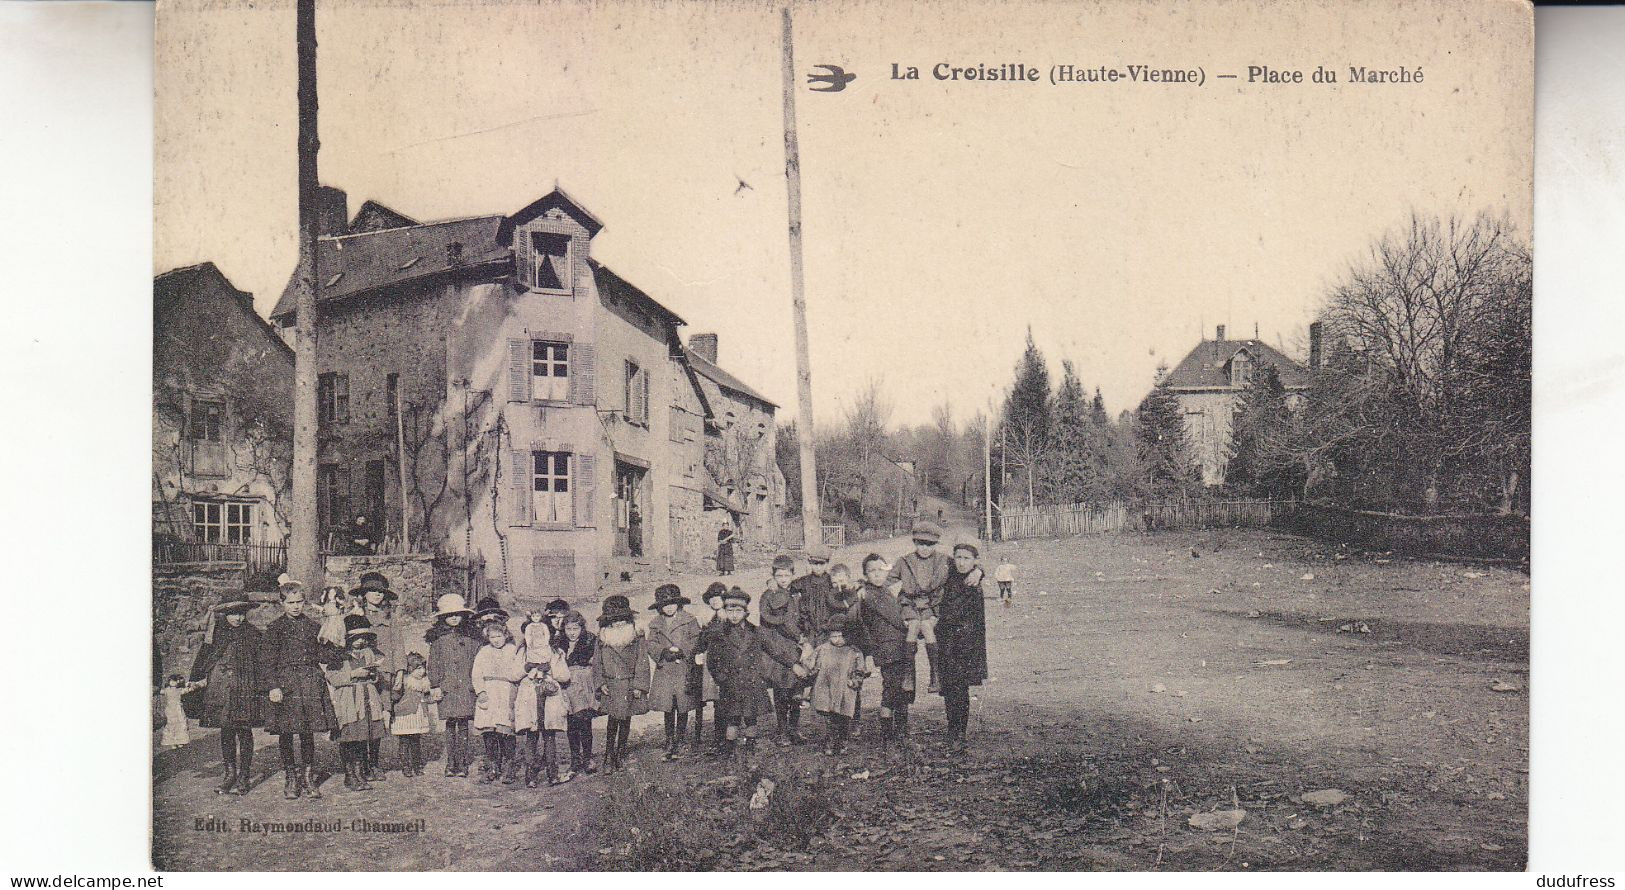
<point x="1118" y="221"/>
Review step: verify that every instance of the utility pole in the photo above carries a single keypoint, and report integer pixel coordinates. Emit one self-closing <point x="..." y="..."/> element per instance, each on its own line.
<point x="811" y="521"/>
<point x="304" y="558"/>
<point x="987" y="471"/>
<point x="400" y="465"/>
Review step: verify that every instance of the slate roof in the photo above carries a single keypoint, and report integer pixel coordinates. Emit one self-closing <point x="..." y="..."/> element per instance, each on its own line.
<point x="353" y="264"/>
<point x="727" y="381"/>
<point x="374" y="216"/>
<point x="169" y="287"/>
<point x="1206" y="365"/>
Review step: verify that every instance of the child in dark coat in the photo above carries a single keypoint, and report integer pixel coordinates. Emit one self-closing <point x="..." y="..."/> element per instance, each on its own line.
<point x="702" y="681"/>
<point x="227" y="669"/>
<point x="453" y="644"/>
<point x="735" y="656"/>
<point x="291" y="663"/>
<point x="781" y="639"/>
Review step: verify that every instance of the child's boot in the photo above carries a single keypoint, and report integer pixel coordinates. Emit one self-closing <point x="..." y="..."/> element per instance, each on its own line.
<point x="795" y="722"/>
<point x="245" y="765"/>
<point x="228" y="781"/>
<point x="532" y="771"/>
<point x="311" y="782"/>
<point x="931" y="661"/>
<point x="290" y="782"/>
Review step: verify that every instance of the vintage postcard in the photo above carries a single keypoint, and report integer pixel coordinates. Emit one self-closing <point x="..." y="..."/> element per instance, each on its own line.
<point x="841" y="436"/>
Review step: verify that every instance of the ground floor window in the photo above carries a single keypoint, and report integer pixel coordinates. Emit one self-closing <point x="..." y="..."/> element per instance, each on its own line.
<point x="550" y="487"/>
<point x="223" y="522"/>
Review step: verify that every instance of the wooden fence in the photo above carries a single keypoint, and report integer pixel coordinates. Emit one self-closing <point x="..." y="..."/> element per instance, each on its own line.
<point x="1084" y="519"/>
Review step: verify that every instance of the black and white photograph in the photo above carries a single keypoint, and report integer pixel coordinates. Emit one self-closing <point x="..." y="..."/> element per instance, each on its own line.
<point x="618" y="436"/>
<point x="602" y="436"/>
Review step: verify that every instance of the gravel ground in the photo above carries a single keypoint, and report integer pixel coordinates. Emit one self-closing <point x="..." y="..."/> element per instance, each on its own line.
<point x="1137" y="682"/>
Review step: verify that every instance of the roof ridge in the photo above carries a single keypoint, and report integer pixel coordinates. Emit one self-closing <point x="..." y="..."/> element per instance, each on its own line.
<point x="421" y="225"/>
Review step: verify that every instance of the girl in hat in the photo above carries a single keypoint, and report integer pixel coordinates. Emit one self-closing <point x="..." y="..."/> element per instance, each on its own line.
<point x="542" y="692"/>
<point x="837" y="671"/>
<point x="498" y="668"/>
<point x="702" y="683"/>
<point x="581" y="695"/>
<point x="671" y="639"/>
<point x="291" y="662"/>
<point x="227" y="669"/>
<point x="735" y="656"/>
<point x="621" y="669"/>
<point x="453" y="643"/>
<point x="413" y="710"/>
<point x="358" y="681"/>
<point x="556" y="610"/>
<point x="377" y="604"/>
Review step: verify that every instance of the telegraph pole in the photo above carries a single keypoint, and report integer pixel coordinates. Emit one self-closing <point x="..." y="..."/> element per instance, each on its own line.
<point x="987" y="470"/>
<point x="811" y="517"/>
<point x="304" y="558"/>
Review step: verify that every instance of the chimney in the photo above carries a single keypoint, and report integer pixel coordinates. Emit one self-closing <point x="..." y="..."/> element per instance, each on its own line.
<point x="332" y="211"/>
<point x="1314" y="346"/>
<point x="1221" y="333"/>
<point x="705" y="346"/>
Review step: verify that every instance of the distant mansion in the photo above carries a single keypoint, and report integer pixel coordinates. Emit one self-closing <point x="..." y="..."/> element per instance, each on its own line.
<point x="1211" y="378"/>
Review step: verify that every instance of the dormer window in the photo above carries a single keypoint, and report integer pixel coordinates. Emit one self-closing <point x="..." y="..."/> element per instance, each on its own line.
<point x="1241" y="370"/>
<point x="550" y="262"/>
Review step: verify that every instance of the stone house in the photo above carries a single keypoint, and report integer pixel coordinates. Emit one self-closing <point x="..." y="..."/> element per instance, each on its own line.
<point x="743" y="482"/>
<point x="1211" y="378"/>
<point x="550" y="422"/>
<point x="222" y="412"/>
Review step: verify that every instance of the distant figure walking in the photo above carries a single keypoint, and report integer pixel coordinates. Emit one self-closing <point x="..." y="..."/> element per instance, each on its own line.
<point x="1005" y="574"/>
<point x="725" y="551"/>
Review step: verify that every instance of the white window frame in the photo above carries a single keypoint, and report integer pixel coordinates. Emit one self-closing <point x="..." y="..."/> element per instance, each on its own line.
<point x="1241" y="370"/>
<point x="552" y="501"/>
<point x="208" y="522"/>
<point x="550" y="373"/>
<point x="204" y="421"/>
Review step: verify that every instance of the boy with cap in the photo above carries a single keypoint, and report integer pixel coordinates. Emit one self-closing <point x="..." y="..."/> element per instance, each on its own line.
<point x="702" y="680"/>
<point x="782" y="639"/>
<point x="812" y="593"/>
<point x="922" y="574"/>
<point x="735" y="657"/>
<point x="881" y="609"/>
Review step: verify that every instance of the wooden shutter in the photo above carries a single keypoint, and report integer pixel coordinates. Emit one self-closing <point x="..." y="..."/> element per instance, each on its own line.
<point x="524" y="266"/>
<point x="521" y="486"/>
<point x="583" y="373"/>
<point x="342" y="382"/>
<point x="643" y="396"/>
<point x="518" y="370"/>
<point x="584" y="488"/>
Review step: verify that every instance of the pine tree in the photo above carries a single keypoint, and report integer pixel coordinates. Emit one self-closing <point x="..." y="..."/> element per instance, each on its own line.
<point x="1069" y="476"/>
<point x="1027" y="416"/>
<point x="1260" y="463"/>
<point x="1159" y="433"/>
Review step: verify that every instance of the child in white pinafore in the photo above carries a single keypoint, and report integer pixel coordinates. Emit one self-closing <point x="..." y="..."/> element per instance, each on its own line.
<point x="543" y="712"/>
<point x="175" y="731"/>
<point x="413" y="696"/>
<point x="498" y="668"/>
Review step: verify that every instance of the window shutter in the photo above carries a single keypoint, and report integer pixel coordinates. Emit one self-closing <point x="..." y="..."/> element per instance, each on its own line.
<point x="583" y="390"/>
<point x="524" y="266"/>
<point x="584" y="488"/>
<point x="521" y="487"/>
<point x="643" y="396"/>
<point x="518" y="370"/>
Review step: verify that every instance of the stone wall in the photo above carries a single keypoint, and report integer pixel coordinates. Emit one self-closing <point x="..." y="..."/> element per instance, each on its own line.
<point x="410" y="575"/>
<point x="182" y="594"/>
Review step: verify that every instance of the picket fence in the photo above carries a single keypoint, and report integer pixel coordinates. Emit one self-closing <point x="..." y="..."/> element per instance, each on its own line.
<point x="1084" y="519"/>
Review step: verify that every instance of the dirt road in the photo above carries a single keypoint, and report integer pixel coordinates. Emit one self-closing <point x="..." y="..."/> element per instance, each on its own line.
<point x="1137" y="682"/>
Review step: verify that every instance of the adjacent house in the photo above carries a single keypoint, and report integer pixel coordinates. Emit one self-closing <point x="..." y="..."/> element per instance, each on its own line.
<point x="222" y="403"/>
<point x="544" y="414"/>
<point x="1208" y="382"/>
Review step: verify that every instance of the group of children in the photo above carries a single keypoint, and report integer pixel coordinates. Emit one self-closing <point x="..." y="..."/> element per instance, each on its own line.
<point x="533" y="693"/>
